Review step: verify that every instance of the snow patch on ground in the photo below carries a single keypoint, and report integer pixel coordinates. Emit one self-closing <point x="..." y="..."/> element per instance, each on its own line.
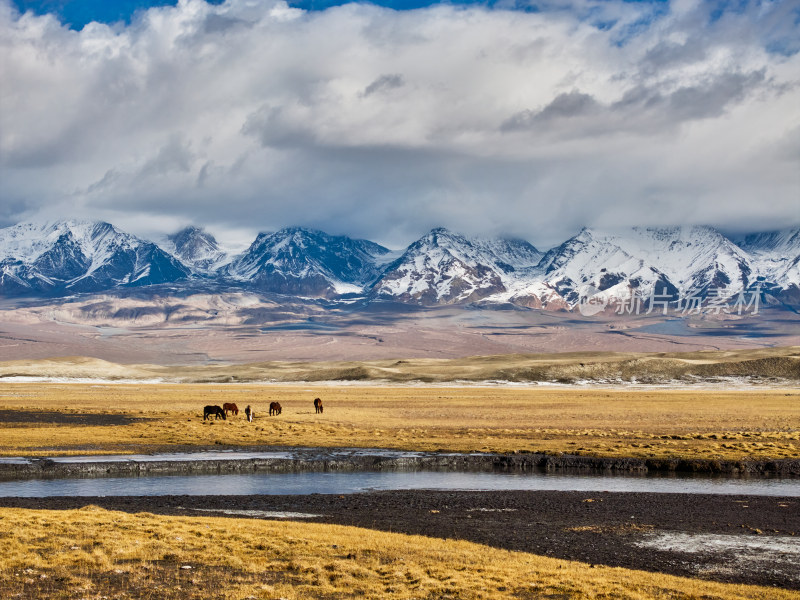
<point x="732" y="553"/>
<point x="91" y="380"/>
<point x="720" y="383"/>
<point x="265" y="514"/>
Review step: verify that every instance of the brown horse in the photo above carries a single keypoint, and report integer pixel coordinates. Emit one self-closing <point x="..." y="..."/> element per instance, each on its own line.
<point x="318" y="405"/>
<point x="213" y="410"/>
<point x="249" y="413"/>
<point x="230" y="407"/>
<point x="274" y="408"/>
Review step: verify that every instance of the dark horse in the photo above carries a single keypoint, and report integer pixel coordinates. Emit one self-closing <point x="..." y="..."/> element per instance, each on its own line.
<point x="274" y="408"/>
<point x="230" y="407"/>
<point x="213" y="410"/>
<point x="318" y="405"/>
<point x="249" y="413"/>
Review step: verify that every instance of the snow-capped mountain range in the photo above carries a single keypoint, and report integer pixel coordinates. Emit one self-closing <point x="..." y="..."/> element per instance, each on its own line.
<point x="671" y="261"/>
<point x="69" y="257"/>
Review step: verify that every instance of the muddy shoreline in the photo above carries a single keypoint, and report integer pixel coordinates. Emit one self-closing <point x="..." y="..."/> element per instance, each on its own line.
<point x="347" y="460"/>
<point x="735" y="539"/>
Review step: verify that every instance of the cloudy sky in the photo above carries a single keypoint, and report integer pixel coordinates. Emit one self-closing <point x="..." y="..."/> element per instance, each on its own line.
<point x="381" y="121"/>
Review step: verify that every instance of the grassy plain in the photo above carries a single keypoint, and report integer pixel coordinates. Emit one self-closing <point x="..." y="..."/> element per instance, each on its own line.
<point x="94" y="553"/>
<point x="649" y="422"/>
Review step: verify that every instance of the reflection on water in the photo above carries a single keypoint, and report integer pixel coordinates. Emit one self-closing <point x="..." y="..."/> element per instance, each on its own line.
<point x="346" y="483"/>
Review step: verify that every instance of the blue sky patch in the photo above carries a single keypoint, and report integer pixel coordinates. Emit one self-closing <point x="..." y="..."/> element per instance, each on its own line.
<point x="78" y="13"/>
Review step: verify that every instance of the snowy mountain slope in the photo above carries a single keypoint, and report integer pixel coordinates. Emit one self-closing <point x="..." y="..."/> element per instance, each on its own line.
<point x="197" y="249"/>
<point x="509" y="255"/>
<point x="667" y="262"/>
<point x="443" y="267"/>
<point x="776" y="256"/>
<point x="307" y="262"/>
<point x="697" y="258"/>
<point x="599" y="260"/>
<point x="786" y="241"/>
<point x="79" y="256"/>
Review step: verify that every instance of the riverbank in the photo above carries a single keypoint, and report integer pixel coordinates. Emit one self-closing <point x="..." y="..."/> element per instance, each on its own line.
<point x="298" y="460"/>
<point x="733" y="539"/>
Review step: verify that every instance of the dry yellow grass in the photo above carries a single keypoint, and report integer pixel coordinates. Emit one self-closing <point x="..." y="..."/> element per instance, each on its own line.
<point x="709" y="424"/>
<point x="94" y="553"/>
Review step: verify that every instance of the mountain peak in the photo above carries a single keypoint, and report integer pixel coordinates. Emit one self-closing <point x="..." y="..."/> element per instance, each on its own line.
<point x="440" y="235"/>
<point x="188" y="231"/>
<point x="196" y="248"/>
<point x="301" y="229"/>
<point x="308" y="262"/>
<point x="436" y="231"/>
<point x="443" y="267"/>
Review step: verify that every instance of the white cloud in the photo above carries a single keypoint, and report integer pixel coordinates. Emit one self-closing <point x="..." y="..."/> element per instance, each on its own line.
<point x="381" y="123"/>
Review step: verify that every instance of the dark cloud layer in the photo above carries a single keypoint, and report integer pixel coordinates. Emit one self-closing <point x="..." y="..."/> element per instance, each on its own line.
<point x="381" y="124"/>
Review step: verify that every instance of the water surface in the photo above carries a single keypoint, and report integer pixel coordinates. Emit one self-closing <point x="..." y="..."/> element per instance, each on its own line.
<point x="355" y="482"/>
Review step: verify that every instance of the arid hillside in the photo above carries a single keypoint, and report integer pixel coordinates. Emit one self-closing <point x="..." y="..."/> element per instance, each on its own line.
<point x="771" y="365"/>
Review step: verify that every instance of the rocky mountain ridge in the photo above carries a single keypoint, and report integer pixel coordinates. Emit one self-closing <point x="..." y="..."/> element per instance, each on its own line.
<point x="307" y="262"/>
<point x="447" y="268"/>
<point x="672" y="264"/>
<point x="75" y="256"/>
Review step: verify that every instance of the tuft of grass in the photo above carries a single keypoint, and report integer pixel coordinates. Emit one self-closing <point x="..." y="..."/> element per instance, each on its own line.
<point x="94" y="553"/>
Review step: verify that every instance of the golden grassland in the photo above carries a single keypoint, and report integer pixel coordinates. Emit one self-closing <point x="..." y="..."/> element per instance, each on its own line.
<point x="647" y="423"/>
<point x="94" y="553"/>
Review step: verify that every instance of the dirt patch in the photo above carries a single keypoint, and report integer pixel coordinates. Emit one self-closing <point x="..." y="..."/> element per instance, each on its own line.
<point x="27" y="417"/>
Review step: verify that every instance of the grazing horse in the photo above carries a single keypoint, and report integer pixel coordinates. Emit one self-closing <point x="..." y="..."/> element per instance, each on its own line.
<point x="213" y="410"/>
<point x="249" y="413"/>
<point x="230" y="407"/>
<point x="274" y="408"/>
<point x="318" y="405"/>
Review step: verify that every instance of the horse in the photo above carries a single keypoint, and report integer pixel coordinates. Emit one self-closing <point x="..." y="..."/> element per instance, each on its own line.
<point x="249" y="413"/>
<point x="230" y="407"/>
<point x="318" y="405"/>
<point x="274" y="408"/>
<point x="213" y="410"/>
